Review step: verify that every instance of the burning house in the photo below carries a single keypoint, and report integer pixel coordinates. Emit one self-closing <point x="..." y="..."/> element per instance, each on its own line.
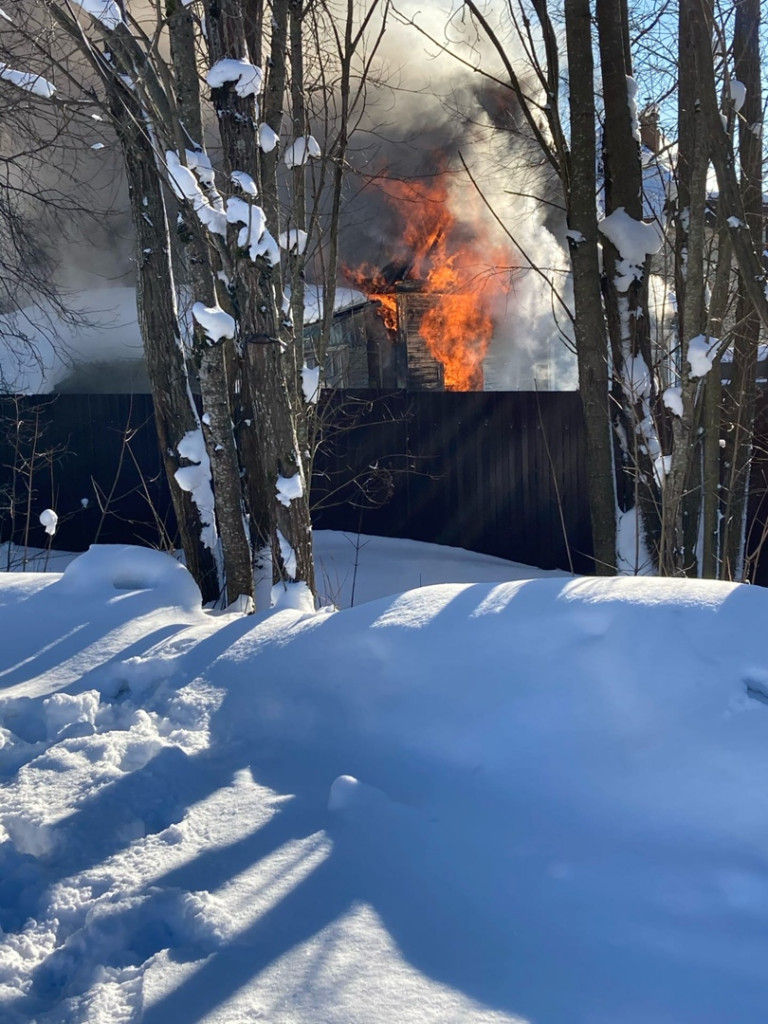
<point x="436" y="295"/>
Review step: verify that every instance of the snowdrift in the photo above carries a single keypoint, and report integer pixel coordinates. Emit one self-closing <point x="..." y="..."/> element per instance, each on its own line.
<point x="541" y="800"/>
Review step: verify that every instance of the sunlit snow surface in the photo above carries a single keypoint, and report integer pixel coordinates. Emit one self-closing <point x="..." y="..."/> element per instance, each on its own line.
<point x="530" y="800"/>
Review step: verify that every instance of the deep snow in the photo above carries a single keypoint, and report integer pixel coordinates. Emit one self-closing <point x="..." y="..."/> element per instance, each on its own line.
<point x="539" y="799"/>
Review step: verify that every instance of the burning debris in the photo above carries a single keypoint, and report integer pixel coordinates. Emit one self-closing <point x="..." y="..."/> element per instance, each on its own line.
<point x="437" y="294"/>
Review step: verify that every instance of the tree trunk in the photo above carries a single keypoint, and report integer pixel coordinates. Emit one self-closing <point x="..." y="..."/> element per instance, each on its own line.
<point x="279" y="487"/>
<point x="682" y="491"/>
<point x="175" y="414"/>
<point x="626" y="276"/>
<point x="211" y="359"/>
<point x="740" y="395"/>
<point x="589" y="324"/>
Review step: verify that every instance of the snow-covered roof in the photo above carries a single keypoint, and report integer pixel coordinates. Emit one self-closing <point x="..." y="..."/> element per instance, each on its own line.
<point x="346" y="298"/>
<point x="38" y="350"/>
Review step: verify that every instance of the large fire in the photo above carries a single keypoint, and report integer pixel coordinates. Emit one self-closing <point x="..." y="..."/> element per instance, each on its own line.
<point x="455" y="265"/>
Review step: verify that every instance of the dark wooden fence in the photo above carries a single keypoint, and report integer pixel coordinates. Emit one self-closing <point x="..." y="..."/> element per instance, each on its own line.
<point x="499" y="472"/>
<point x="496" y="472"/>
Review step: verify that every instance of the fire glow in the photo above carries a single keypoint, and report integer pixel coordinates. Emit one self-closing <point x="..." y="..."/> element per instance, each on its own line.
<point x="459" y="267"/>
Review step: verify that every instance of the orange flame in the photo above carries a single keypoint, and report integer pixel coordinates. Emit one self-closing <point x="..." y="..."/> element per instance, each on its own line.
<point x="450" y="265"/>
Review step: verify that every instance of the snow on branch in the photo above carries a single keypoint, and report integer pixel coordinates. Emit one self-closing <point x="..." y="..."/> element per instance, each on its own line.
<point x="5" y="16"/>
<point x="49" y="520"/>
<point x="216" y="323"/>
<point x="267" y="138"/>
<point x="294" y="240"/>
<point x="632" y="104"/>
<point x="195" y="479"/>
<point x="288" y="556"/>
<point x="700" y="354"/>
<point x="186" y="186"/>
<point x="634" y="240"/>
<point x="297" y="154"/>
<point x="289" y="488"/>
<point x="310" y="383"/>
<point x="673" y="400"/>
<point x="200" y="163"/>
<point x="28" y="81"/>
<point x="738" y="94"/>
<point x="245" y="182"/>
<point x="247" y="77"/>
<point x="253" y="234"/>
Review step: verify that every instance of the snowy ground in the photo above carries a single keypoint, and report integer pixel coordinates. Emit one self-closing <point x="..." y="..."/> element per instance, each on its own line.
<point x="535" y="800"/>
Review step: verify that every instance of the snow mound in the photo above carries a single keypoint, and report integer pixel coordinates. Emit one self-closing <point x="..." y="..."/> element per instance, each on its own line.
<point x="349" y="794"/>
<point x="540" y="800"/>
<point x="124" y="567"/>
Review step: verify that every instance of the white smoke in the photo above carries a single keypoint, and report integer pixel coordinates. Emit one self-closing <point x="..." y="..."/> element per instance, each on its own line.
<point x="501" y="190"/>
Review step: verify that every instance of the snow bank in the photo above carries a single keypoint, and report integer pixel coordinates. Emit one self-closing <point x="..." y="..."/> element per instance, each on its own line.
<point x="541" y="800"/>
<point x="127" y="568"/>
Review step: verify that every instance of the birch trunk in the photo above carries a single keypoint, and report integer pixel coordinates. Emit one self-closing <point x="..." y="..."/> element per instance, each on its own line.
<point x="175" y="414"/>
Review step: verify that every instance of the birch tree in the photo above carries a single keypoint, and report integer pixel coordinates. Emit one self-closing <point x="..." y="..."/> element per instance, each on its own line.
<point x="156" y="73"/>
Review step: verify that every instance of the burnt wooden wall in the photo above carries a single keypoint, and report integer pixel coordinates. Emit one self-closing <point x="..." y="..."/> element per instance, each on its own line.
<point x="497" y="472"/>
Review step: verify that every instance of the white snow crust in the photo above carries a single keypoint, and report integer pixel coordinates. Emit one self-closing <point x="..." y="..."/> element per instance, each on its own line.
<point x="538" y="800"/>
